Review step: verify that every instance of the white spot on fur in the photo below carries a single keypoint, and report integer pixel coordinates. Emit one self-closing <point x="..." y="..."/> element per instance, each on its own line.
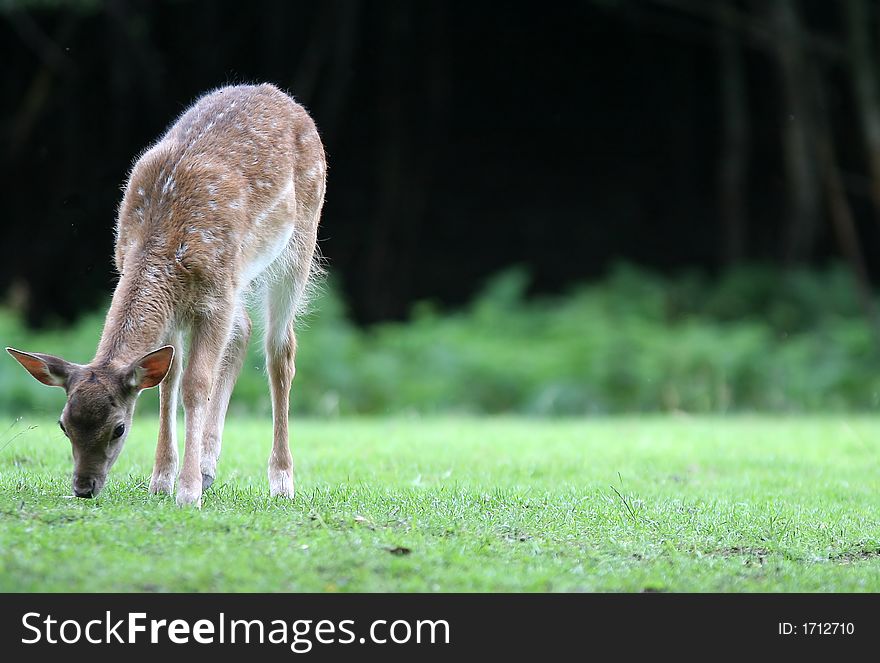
<point x="169" y="184"/>
<point x="153" y="276"/>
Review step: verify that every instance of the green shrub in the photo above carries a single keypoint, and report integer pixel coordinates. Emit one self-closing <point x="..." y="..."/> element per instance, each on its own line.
<point x="751" y="339"/>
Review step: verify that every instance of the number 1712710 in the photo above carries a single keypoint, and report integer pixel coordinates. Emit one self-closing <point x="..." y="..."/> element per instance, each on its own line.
<point x="817" y="628"/>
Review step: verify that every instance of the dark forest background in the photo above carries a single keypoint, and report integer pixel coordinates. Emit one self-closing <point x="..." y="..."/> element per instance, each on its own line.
<point x="464" y="137"/>
<point x="546" y="208"/>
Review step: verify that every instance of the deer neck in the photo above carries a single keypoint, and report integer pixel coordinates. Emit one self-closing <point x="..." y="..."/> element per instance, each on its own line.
<point x="139" y="317"/>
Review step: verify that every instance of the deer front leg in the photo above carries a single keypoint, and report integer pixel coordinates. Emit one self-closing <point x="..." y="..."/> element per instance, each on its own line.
<point x="209" y="338"/>
<point x="230" y="367"/>
<point x="165" y="467"/>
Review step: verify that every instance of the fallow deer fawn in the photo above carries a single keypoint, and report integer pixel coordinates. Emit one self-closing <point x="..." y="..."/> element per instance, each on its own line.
<point x="224" y="206"/>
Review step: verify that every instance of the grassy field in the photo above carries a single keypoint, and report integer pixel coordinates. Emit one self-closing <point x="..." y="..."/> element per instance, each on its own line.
<point x="443" y="505"/>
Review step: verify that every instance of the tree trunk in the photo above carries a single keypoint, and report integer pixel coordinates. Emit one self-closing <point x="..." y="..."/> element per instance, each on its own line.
<point x="840" y="210"/>
<point x="393" y="171"/>
<point x="802" y="223"/>
<point x="733" y="164"/>
<point x="864" y="81"/>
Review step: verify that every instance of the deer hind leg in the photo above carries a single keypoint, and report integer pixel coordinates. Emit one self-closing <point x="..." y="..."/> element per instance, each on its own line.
<point x="230" y="367"/>
<point x="280" y="355"/>
<point x="165" y="467"/>
<point x="283" y="296"/>
<point x="285" y="291"/>
<point x="209" y="338"/>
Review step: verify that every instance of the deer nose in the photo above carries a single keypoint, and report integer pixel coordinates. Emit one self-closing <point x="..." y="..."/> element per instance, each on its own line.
<point x="84" y="487"/>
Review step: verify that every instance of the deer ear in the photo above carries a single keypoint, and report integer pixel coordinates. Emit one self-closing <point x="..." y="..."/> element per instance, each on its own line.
<point x="149" y="370"/>
<point x="50" y="370"/>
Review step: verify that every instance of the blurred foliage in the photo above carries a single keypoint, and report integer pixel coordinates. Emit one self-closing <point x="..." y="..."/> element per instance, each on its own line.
<point x="752" y="339"/>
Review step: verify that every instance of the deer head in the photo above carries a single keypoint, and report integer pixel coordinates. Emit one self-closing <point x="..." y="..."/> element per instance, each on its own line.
<point x="100" y="404"/>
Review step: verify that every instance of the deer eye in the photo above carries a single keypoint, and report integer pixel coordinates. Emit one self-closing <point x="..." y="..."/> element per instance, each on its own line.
<point x="61" y="426"/>
<point x="118" y="431"/>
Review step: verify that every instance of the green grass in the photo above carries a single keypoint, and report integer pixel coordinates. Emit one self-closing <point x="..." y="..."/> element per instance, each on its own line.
<point x="617" y="504"/>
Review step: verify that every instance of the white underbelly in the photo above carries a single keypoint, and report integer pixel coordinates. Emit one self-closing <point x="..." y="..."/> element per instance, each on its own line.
<point x="270" y="233"/>
<point x="266" y="253"/>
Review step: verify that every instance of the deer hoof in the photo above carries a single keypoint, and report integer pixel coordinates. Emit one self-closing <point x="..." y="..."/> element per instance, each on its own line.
<point x="281" y="483"/>
<point x="162" y="484"/>
<point x="187" y="497"/>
